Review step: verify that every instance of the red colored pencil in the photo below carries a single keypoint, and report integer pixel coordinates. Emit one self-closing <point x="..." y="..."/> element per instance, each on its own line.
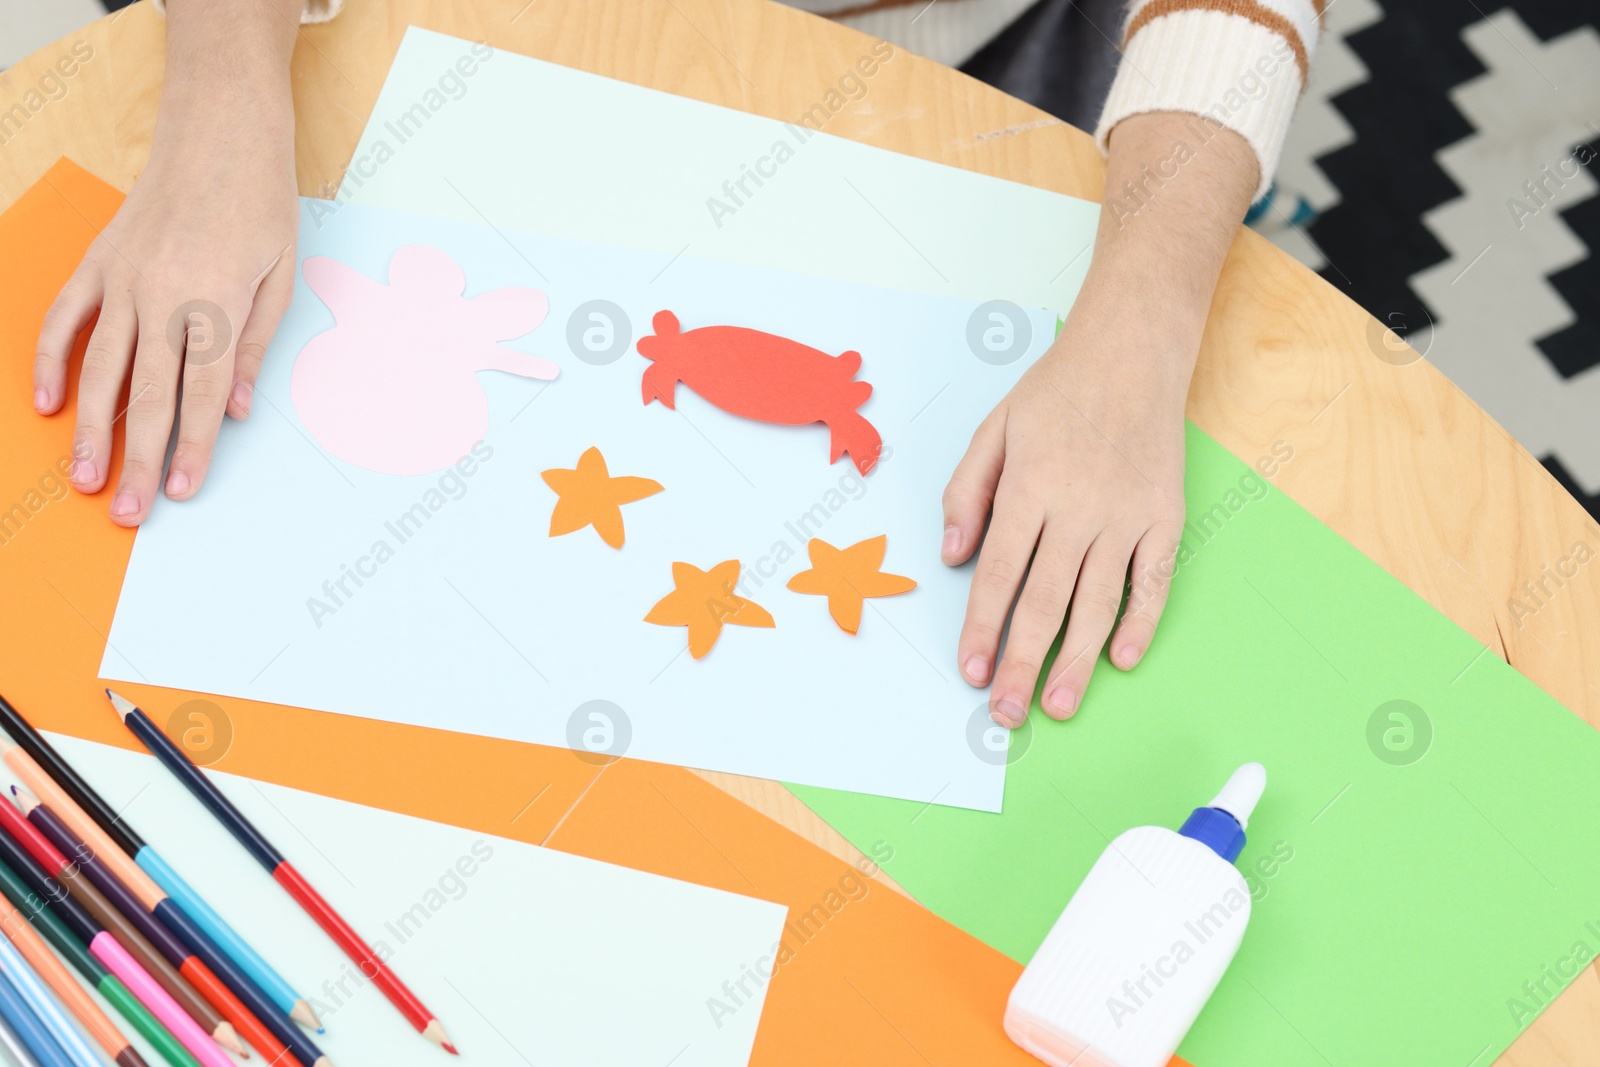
<point x="283" y="873"/>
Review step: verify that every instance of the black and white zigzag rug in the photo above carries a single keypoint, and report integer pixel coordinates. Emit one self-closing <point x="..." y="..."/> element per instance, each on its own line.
<point x="1466" y="204"/>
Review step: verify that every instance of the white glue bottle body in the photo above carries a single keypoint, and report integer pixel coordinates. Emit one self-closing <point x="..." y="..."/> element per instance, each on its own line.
<point x="1136" y="954"/>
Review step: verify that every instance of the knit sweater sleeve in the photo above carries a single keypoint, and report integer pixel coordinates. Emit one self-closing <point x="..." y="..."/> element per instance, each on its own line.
<point x="1238" y="64"/>
<point x="315" y="10"/>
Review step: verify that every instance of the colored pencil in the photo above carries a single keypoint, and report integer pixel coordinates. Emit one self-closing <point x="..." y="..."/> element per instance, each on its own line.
<point x="36" y="911"/>
<point x="27" y="1026"/>
<point x="44" y="963"/>
<point x="180" y="984"/>
<point x="273" y="1035"/>
<point x="50" y="1011"/>
<point x="104" y="945"/>
<point x="155" y="880"/>
<point x="234" y="994"/>
<point x="195" y="908"/>
<point x="282" y="871"/>
<point x="14" y="1046"/>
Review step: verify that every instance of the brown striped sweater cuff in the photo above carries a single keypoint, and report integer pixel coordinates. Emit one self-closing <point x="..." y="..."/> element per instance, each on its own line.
<point x="1237" y="64"/>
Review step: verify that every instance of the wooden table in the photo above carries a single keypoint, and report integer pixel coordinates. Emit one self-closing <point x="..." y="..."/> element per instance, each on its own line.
<point x="1388" y="452"/>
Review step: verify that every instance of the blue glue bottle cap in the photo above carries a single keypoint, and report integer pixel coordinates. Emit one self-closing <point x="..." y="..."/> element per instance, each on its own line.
<point x="1215" y="829"/>
<point x="1220" y="825"/>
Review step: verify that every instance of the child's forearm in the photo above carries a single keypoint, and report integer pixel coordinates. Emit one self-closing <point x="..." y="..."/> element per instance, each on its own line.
<point x="1176" y="193"/>
<point x="227" y="72"/>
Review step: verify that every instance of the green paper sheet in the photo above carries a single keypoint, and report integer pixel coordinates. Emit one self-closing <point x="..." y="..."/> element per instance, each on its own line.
<point x="1412" y="865"/>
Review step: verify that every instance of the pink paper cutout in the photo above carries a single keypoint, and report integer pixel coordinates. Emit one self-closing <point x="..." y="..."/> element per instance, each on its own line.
<point x="393" y="386"/>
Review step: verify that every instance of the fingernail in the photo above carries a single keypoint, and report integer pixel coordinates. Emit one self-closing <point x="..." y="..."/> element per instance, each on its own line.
<point x="952" y="541"/>
<point x="241" y="396"/>
<point x="83" y="472"/>
<point x="977" y="669"/>
<point x="126" y="503"/>
<point x="177" y="483"/>
<point x="41" y="400"/>
<point x="1010" y="712"/>
<point x="1061" y="700"/>
<point x="1128" y="655"/>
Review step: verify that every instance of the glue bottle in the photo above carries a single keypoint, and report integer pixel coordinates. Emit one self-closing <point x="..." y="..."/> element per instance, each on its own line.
<point x="1143" y="942"/>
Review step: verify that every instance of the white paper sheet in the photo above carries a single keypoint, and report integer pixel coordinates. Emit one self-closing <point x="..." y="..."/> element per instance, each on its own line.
<point x="526" y="954"/>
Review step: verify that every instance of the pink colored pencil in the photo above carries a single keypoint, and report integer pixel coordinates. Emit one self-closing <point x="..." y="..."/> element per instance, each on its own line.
<point x="199" y="1043"/>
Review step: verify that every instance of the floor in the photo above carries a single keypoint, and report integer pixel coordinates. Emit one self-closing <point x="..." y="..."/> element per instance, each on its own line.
<point x="1440" y="171"/>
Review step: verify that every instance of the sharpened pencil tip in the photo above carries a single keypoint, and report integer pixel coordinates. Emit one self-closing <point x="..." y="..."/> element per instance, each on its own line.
<point x="434" y="1032"/>
<point x="122" y="704"/>
<point x="225" y="1035"/>
<point x="303" y="1014"/>
<point x="25" y="799"/>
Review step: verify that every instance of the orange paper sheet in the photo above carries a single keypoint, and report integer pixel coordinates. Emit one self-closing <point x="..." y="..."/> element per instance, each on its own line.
<point x="870" y="977"/>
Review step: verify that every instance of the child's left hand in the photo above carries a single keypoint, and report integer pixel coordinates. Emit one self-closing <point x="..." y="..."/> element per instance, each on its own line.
<point x="1082" y="462"/>
<point x="1082" y="465"/>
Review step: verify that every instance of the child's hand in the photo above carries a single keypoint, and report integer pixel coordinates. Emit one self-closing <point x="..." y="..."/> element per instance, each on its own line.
<point x="1082" y="467"/>
<point x="193" y="273"/>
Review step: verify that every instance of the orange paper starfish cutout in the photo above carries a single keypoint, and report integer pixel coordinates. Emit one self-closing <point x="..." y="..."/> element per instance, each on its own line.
<point x="848" y="576"/>
<point x="703" y="601"/>
<point x="590" y="496"/>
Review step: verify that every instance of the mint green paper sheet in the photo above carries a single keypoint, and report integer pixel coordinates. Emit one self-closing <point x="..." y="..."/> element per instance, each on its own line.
<point x="485" y="136"/>
<point x="1411" y="868"/>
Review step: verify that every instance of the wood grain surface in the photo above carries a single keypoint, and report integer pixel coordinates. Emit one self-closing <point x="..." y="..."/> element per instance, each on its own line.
<point x="1388" y="452"/>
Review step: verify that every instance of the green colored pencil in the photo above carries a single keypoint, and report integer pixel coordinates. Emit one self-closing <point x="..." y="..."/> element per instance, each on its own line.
<point x="50" y="926"/>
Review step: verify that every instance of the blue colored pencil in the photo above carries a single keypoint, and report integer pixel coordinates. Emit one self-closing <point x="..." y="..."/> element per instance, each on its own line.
<point x="223" y="936"/>
<point x="26" y="1025"/>
<point x="14" y="1046"/>
<point x="49" y="1010"/>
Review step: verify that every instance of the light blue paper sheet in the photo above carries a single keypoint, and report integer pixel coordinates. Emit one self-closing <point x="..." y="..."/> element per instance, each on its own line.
<point x="478" y="621"/>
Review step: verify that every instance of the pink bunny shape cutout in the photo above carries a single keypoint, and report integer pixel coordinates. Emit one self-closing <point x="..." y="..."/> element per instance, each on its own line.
<point x="393" y="386"/>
